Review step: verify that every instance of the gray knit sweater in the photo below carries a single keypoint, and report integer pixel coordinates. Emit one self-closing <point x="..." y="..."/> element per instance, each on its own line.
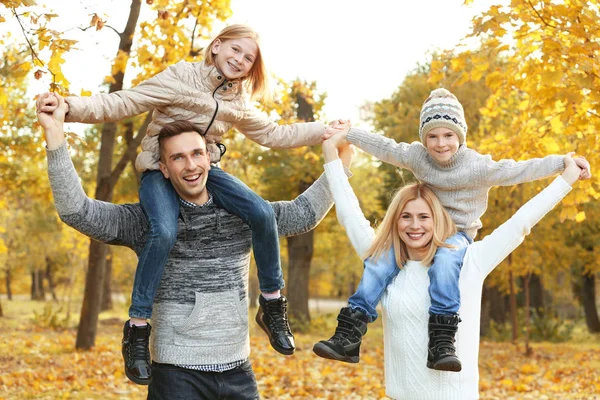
<point x="200" y="312"/>
<point x="462" y="184"/>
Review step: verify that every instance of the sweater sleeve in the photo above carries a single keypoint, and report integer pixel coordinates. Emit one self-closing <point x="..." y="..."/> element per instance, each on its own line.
<point x="124" y="225"/>
<point x="511" y="172"/>
<point x="491" y="250"/>
<point x="256" y="126"/>
<point x="109" y="107"/>
<point x="306" y="211"/>
<point x="347" y="208"/>
<point x="385" y="149"/>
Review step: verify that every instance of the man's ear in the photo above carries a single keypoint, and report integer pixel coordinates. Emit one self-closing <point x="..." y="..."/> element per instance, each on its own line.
<point x="216" y="46"/>
<point x="163" y="169"/>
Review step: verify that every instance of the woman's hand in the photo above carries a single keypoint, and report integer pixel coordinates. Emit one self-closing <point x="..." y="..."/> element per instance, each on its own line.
<point x="572" y="171"/>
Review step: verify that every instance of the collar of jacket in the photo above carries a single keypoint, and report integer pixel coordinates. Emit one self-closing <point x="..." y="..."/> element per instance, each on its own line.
<point x="214" y="78"/>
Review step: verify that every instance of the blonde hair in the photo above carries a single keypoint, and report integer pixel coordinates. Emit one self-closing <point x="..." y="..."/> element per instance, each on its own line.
<point x="387" y="232"/>
<point x="257" y="79"/>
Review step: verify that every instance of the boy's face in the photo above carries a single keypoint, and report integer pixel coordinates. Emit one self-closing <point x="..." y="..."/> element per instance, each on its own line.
<point x="235" y="57"/>
<point x="442" y="143"/>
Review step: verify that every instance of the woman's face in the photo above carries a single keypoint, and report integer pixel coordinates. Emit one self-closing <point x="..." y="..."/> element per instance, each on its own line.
<point x="415" y="228"/>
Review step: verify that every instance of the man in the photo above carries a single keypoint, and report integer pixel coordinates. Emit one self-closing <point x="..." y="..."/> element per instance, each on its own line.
<point x="200" y="344"/>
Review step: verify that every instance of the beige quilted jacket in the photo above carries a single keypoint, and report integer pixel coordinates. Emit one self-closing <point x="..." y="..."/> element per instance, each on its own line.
<point x="191" y="91"/>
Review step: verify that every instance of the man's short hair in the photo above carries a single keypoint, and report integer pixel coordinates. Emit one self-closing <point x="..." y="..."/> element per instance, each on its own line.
<point x="176" y="128"/>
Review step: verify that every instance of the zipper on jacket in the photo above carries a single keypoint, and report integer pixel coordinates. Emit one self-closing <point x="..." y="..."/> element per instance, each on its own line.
<point x="216" y="108"/>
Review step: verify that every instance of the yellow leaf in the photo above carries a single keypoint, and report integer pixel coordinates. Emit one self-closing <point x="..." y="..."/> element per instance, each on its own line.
<point x="580" y="217"/>
<point x="85" y="93"/>
<point x="109" y="79"/>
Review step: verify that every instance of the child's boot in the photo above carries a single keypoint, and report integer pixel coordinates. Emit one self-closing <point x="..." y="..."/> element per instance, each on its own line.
<point x="273" y="319"/>
<point x="344" y="345"/>
<point x="136" y="353"/>
<point x="442" y="352"/>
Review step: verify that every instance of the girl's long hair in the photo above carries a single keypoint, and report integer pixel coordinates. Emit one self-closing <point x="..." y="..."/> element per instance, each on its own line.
<point x="257" y="79"/>
<point x="387" y="233"/>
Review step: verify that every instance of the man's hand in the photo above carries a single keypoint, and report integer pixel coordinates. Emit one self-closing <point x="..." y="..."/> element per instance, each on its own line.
<point x="52" y="122"/>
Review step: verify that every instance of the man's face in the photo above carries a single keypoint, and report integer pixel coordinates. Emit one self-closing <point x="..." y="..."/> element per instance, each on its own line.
<point x="186" y="162"/>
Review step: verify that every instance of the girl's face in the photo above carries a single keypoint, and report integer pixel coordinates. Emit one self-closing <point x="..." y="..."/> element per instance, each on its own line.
<point x="442" y="144"/>
<point x="415" y="228"/>
<point x="235" y="57"/>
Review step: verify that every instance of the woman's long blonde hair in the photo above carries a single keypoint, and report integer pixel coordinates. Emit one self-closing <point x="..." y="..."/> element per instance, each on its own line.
<point x="387" y="232"/>
<point x="257" y="78"/>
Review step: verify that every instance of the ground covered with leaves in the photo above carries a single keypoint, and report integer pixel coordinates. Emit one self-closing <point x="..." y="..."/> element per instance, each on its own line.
<point x="40" y="363"/>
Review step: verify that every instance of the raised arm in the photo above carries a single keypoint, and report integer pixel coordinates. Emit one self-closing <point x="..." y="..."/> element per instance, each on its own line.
<point x="307" y="210"/>
<point x="106" y="222"/>
<point x="259" y="128"/>
<point x="347" y="208"/>
<point x="494" y="248"/>
<point x="401" y="154"/>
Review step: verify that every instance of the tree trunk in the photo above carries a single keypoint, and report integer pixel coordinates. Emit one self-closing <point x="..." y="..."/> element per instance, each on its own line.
<point x="107" y="303"/>
<point x="50" y="280"/>
<point x="588" y="299"/>
<point x="8" y="284"/>
<point x="527" y="280"/>
<point x="37" y="285"/>
<point x="94" y="284"/>
<point x="537" y="294"/>
<point x="300" y="252"/>
<point x="513" y="304"/>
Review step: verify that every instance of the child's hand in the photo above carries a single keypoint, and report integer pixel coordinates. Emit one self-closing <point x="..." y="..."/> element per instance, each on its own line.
<point x="334" y="127"/>
<point x="584" y="165"/>
<point x="48" y="102"/>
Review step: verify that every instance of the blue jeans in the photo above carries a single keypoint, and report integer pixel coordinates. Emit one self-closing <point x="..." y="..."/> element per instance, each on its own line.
<point x="444" y="274"/>
<point x="443" y="279"/>
<point x="161" y="206"/>
<point x="170" y="382"/>
<point x="234" y="196"/>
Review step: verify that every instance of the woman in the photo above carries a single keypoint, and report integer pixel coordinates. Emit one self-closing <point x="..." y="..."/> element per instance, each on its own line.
<point x="414" y="226"/>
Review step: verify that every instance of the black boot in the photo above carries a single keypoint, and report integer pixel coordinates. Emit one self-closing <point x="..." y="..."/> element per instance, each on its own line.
<point x="344" y="345"/>
<point x="442" y="353"/>
<point x="272" y="318"/>
<point x="136" y="354"/>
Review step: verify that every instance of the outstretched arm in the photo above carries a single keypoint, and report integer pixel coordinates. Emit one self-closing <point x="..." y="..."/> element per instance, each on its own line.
<point x="259" y="128"/>
<point x="109" y="107"/>
<point x="494" y="248"/>
<point x="403" y="155"/>
<point x="106" y="222"/>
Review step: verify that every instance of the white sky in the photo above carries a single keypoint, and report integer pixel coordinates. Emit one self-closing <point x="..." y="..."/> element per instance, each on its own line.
<point x="356" y="51"/>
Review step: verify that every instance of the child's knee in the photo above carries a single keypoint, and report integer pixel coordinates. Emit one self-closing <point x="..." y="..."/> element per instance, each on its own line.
<point x="166" y="234"/>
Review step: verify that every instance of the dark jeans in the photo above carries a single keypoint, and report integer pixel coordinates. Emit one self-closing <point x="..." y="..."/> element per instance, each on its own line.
<point x="161" y="206"/>
<point x="443" y="279"/>
<point x="175" y="383"/>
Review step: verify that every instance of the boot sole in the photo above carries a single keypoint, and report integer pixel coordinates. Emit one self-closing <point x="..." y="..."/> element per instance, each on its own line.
<point x="326" y="352"/>
<point x="280" y="350"/>
<point x="449" y="364"/>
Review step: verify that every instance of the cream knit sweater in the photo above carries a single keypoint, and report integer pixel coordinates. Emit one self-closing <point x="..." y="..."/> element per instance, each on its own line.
<point x="406" y="301"/>
<point x="462" y="184"/>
